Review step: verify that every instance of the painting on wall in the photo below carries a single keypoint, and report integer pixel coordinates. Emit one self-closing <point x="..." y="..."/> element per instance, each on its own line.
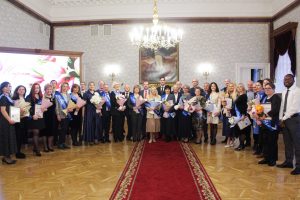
<point x="155" y="64"/>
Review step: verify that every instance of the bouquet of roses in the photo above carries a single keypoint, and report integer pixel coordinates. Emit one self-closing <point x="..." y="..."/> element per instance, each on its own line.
<point x="209" y="106"/>
<point x="98" y="101"/>
<point x="121" y="99"/>
<point x="233" y="121"/>
<point x="24" y="106"/>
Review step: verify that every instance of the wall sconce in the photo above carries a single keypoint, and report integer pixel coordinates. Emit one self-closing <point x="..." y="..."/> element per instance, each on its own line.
<point x="205" y="69"/>
<point x="112" y="71"/>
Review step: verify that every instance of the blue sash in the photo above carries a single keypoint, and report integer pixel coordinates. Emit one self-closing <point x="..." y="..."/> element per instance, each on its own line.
<point x="132" y="99"/>
<point x="8" y="98"/>
<point x="74" y="98"/>
<point x="186" y="113"/>
<point x="61" y="100"/>
<point x="107" y="101"/>
<point x="268" y="125"/>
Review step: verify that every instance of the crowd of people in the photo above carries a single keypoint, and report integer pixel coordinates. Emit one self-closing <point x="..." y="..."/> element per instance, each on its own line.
<point x="179" y="112"/>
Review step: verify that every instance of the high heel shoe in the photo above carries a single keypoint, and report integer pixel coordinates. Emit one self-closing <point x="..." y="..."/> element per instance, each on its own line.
<point x="9" y="162"/>
<point x="37" y="153"/>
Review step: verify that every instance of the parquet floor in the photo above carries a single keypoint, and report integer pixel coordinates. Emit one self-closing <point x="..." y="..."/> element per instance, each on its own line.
<point x="92" y="172"/>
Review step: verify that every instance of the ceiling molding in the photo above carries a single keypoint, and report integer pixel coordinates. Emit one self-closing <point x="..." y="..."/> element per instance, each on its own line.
<point x="29" y="11"/>
<point x="286" y="10"/>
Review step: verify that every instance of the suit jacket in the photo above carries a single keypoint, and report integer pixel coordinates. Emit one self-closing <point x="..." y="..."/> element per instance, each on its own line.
<point x="127" y="110"/>
<point x="176" y="102"/>
<point x="114" y="104"/>
<point x="142" y="93"/>
<point x="159" y="90"/>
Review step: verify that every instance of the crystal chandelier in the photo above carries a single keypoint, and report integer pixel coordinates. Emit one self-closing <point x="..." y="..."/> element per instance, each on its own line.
<point x="157" y="36"/>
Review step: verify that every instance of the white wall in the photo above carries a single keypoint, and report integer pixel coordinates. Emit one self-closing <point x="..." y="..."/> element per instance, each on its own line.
<point x="293" y="16"/>
<point x="18" y="29"/>
<point x="223" y="45"/>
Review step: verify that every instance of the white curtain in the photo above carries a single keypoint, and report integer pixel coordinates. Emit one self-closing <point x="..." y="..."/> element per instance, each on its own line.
<point x="283" y="68"/>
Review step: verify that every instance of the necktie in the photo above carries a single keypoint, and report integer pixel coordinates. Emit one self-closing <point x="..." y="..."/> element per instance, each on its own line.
<point x="145" y="94"/>
<point x="126" y="95"/>
<point x="285" y="101"/>
<point x="162" y="89"/>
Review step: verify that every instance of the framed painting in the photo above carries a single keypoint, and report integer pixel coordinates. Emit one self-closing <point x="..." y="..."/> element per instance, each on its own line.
<point x="160" y="63"/>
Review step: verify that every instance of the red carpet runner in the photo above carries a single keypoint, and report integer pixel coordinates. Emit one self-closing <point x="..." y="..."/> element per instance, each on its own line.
<point x="164" y="171"/>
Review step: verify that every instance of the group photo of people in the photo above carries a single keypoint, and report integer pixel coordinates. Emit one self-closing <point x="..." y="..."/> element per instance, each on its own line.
<point x="247" y="116"/>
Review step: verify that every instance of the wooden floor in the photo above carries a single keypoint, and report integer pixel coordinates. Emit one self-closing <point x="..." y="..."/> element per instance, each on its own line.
<point x="92" y="172"/>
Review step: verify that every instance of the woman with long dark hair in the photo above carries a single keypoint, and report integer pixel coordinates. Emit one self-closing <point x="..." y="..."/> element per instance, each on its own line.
<point x="7" y="131"/>
<point x="213" y="117"/>
<point x="76" y="122"/>
<point x="35" y="123"/>
<point x="21" y="130"/>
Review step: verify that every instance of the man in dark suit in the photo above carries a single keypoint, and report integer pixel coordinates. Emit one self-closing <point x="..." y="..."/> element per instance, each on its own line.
<point x="101" y="87"/>
<point x="179" y="86"/>
<point x="177" y="96"/>
<point x="145" y="92"/>
<point x="195" y="84"/>
<point x="226" y="82"/>
<point x="161" y="88"/>
<point x="127" y="93"/>
<point x="206" y="95"/>
<point x="106" y="115"/>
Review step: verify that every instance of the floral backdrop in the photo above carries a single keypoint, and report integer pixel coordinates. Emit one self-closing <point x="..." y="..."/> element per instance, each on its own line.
<point x="26" y="69"/>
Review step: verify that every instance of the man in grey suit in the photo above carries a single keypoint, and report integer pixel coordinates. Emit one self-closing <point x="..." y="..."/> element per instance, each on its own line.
<point x="145" y="92"/>
<point x="290" y="118"/>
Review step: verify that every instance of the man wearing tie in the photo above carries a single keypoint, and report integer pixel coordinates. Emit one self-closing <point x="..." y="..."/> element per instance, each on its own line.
<point x="82" y="88"/>
<point x="161" y="88"/>
<point x="290" y="118"/>
<point x="177" y="96"/>
<point x="101" y="87"/>
<point x="106" y="115"/>
<point x="145" y="94"/>
<point x="127" y="93"/>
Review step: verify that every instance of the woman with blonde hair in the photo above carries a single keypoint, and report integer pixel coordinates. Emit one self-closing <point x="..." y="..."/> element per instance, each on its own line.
<point x="153" y="117"/>
<point x="241" y="112"/>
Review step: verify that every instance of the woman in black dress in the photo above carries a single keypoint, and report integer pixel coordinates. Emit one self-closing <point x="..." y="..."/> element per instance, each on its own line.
<point x="270" y="126"/>
<point x="35" y="123"/>
<point x="135" y="113"/>
<point x="50" y="120"/>
<point x="7" y="130"/>
<point x="76" y="122"/>
<point x="241" y="111"/>
<point x="21" y="130"/>
<point x="185" y="120"/>
<point x="90" y="116"/>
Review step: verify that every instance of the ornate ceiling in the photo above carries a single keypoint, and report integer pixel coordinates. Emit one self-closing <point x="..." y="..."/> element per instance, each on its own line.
<point x="70" y="10"/>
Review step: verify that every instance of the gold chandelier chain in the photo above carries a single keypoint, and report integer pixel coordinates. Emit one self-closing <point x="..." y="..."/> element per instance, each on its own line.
<point x="155" y="12"/>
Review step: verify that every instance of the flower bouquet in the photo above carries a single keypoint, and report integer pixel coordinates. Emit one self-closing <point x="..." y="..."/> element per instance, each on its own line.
<point x="153" y="105"/>
<point x="121" y="99"/>
<point x="140" y="100"/>
<point x="79" y="104"/>
<point x="98" y="101"/>
<point x="233" y="121"/>
<point x="167" y="105"/>
<point x="46" y="104"/>
<point x="209" y="106"/>
<point x="24" y="106"/>
<point x="71" y="106"/>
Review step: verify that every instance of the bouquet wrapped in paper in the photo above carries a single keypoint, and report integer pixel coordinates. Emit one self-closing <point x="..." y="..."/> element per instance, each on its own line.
<point x="71" y="106"/>
<point x="167" y="105"/>
<point x="233" y="121"/>
<point x="154" y="105"/>
<point x="140" y="100"/>
<point x="46" y="103"/>
<point x="121" y="99"/>
<point x="79" y="104"/>
<point x="24" y="107"/>
<point x="209" y="106"/>
<point x="98" y="101"/>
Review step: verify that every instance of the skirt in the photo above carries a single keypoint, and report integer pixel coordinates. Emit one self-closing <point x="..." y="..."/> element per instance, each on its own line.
<point x="153" y="125"/>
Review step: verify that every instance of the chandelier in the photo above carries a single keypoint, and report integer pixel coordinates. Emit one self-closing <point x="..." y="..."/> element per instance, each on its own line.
<point x="156" y="36"/>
